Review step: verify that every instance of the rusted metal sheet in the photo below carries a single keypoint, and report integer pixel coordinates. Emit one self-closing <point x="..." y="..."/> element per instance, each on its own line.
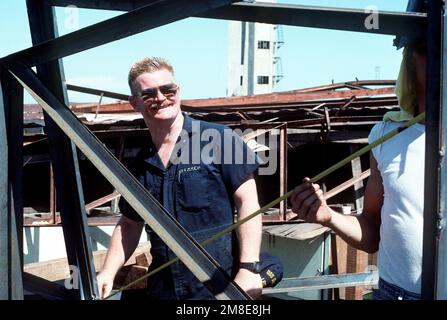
<point x="284" y="98"/>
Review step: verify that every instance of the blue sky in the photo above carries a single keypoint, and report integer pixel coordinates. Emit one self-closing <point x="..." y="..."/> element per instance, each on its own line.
<point x="197" y="48"/>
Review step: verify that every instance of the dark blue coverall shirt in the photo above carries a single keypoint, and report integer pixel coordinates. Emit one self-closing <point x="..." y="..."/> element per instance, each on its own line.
<point x="198" y="192"/>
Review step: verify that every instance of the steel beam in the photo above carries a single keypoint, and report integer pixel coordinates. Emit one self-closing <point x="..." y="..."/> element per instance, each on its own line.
<point x="11" y="209"/>
<point x="283" y="188"/>
<point x="136" y="21"/>
<point x="46" y="289"/>
<point x="325" y="282"/>
<point x="64" y="160"/>
<point x="107" y="94"/>
<point x="170" y="231"/>
<point x="117" y="5"/>
<point x="391" y="23"/>
<point x="53" y="203"/>
<point x="433" y="150"/>
<point x="4" y="200"/>
<point x="441" y="276"/>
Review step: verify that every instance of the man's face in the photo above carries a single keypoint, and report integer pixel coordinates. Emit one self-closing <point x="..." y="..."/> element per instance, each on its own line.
<point x="158" y="96"/>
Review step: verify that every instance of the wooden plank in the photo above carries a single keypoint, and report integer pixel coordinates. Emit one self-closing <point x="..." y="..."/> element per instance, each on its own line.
<point x="342" y="253"/>
<point x="356" y="260"/>
<point x="356" y="165"/>
<point x="101" y="201"/>
<point x="347" y="184"/>
<point x="57" y="269"/>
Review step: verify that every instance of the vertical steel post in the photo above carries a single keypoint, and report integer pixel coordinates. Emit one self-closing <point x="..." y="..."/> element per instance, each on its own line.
<point x="432" y="149"/>
<point x="283" y="170"/>
<point x="441" y="279"/>
<point x="11" y="165"/>
<point x="52" y="196"/>
<point x="63" y="154"/>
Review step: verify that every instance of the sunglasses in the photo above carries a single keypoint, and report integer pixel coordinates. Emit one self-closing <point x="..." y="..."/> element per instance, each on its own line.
<point x="168" y="90"/>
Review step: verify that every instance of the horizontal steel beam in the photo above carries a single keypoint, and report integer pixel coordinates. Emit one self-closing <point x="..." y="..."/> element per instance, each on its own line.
<point x="325" y="282"/>
<point x="391" y="23"/>
<point x="170" y="231"/>
<point x="142" y="19"/>
<point x="117" y="5"/>
<point x="97" y="92"/>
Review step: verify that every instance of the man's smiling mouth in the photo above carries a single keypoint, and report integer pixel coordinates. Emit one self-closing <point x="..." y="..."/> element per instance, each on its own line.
<point x="158" y="107"/>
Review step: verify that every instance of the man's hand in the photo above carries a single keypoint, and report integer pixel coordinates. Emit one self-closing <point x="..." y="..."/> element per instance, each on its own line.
<point x="250" y="282"/>
<point x="309" y="204"/>
<point x="105" y="284"/>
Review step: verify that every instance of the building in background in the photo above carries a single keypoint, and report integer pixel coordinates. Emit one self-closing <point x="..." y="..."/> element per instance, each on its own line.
<point x="253" y="64"/>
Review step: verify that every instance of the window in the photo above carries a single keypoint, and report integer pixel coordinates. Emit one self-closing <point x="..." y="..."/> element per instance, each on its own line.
<point x="263" y="80"/>
<point x="242" y="80"/>
<point x="263" y="44"/>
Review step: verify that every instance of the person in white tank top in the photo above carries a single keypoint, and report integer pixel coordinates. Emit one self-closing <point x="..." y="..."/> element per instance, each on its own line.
<point x="392" y="218"/>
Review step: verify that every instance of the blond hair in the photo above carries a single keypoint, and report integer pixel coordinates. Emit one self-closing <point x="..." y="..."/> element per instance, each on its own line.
<point x="147" y="65"/>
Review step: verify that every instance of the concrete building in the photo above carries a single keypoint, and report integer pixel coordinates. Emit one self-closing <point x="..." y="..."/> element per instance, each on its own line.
<point x="252" y="61"/>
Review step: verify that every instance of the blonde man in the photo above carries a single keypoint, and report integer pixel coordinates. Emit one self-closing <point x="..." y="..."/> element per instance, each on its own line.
<point x="200" y="194"/>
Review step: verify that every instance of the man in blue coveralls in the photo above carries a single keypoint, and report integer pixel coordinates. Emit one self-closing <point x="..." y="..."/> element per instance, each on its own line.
<point x="200" y="189"/>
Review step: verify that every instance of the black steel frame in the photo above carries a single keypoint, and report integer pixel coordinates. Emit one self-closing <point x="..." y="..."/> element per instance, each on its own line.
<point x="65" y="132"/>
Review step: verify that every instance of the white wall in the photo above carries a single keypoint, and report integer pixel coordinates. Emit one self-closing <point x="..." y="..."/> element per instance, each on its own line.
<point x="47" y="243"/>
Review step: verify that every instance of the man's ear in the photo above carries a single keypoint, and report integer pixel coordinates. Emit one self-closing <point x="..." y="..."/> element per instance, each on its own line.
<point x="133" y="102"/>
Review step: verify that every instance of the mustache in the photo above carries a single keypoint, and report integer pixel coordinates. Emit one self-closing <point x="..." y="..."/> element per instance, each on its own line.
<point x="160" y="106"/>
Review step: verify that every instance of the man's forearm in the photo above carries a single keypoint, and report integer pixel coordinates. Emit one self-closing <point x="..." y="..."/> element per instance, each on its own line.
<point x="123" y="243"/>
<point x="250" y="233"/>
<point x="357" y="231"/>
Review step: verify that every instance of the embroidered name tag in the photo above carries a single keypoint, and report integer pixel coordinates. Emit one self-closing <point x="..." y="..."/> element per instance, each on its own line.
<point x="187" y="170"/>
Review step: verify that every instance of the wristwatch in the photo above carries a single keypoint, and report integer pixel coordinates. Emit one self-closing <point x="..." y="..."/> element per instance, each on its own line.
<point x="254" y="267"/>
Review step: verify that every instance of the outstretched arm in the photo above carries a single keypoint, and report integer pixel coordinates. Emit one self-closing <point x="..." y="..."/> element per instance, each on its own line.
<point x="124" y="241"/>
<point x="249" y="234"/>
<point x="363" y="231"/>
